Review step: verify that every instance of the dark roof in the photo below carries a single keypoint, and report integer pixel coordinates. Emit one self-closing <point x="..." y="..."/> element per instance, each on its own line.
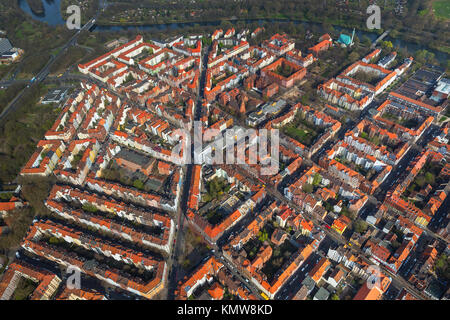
<point x="309" y="283"/>
<point x="7" y="54"/>
<point x="322" y="294"/>
<point x="302" y="293"/>
<point x="56" y="95"/>
<point x="278" y="234"/>
<point x="5" y="45"/>
<point x="133" y="156"/>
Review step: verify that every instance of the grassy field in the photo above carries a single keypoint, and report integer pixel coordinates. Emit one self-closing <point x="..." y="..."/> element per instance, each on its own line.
<point x="302" y="131"/>
<point x="298" y="134"/>
<point x="441" y="9"/>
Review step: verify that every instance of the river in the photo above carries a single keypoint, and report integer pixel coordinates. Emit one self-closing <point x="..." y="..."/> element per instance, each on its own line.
<point x="52" y="16"/>
<point x="52" y="12"/>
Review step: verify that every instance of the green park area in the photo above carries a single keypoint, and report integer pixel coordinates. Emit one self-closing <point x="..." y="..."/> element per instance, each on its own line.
<point x="407" y="123"/>
<point x="21" y="131"/>
<point x="391" y="145"/>
<point x="374" y="139"/>
<point x="442" y="267"/>
<point x="194" y="249"/>
<point x="285" y="70"/>
<point x="314" y="185"/>
<point x="137" y="179"/>
<point x="441" y="9"/>
<point x="281" y="254"/>
<point x="302" y="130"/>
<point x="371" y="78"/>
<point x="428" y="175"/>
<point x="24" y="289"/>
<point x="216" y="189"/>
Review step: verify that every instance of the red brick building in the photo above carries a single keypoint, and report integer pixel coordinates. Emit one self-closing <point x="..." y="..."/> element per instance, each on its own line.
<point x="271" y="90"/>
<point x="272" y="72"/>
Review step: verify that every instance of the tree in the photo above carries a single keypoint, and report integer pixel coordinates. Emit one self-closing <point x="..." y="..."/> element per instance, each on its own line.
<point x="442" y="267"/>
<point x="360" y="226"/>
<point x="225" y="24"/>
<point x="206" y="41"/>
<point x="335" y="297"/>
<point x="420" y="181"/>
<point x="327" y="27"/>
<point x="128" y="78"/>
<point x="89" y="207"/>
<point x="394" y="33"/>
<point x="424" y="56"/>
<point x="317" y="179"/>
<point x="349" y="214"/>
<point x="54" y="240"/>
<point x="138" y="184"/>
<point x="366" y="41"/>
<point x="290" y="29"/>
<point x="18" y="221"/>
<point x="429" y="178"/>
<point x="305" y="99"/>
<point x="300" y="29"/>
<point x="387" y="46"/>
<point x="263" y="236"/>
<point x="353" y="56"/>
<point x="308" y="188"/>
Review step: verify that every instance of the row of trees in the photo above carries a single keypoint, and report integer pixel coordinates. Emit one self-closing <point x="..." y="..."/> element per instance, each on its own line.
<point x="34" y="191"/>
<point x="415" y="18"/>
<point x="21" y="131"/>
<point x="216" y="188"/>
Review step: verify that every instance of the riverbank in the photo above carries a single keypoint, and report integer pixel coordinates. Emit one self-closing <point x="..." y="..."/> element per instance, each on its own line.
<point x="341" y="25"/>
<point x="408" y="40"/>
<point x="37" y="6"/>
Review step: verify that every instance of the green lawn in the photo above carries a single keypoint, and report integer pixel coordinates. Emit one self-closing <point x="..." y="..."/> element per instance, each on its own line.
<point x="284" y="70"/>
<point x="296" y="133"/>
<point x="24" y="289"/>
<point x="302" y="131"/>
<point x="441" y="9"/>
<point x="408" y="123"/>
<point x="281" y="254"/>
<point x="423" y="12"/>
<point x="444" y="49"/>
